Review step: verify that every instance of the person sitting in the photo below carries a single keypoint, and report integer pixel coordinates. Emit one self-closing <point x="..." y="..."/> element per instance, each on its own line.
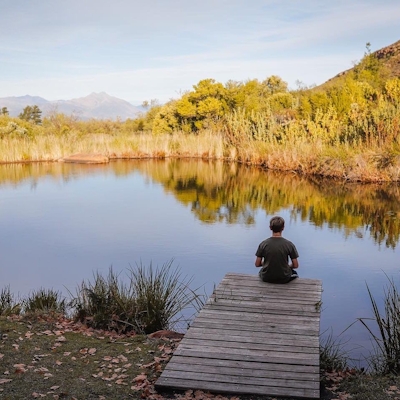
<point x="273" y="255"/>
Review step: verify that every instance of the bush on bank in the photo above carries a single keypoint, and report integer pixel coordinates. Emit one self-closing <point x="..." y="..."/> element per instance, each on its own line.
<point x="150" y="299"/>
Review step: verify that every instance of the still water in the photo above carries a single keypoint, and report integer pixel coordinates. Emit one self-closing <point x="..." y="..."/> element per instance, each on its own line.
<point x="61" y="222"/>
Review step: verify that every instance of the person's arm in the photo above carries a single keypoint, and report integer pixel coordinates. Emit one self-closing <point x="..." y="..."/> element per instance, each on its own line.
<point x="295" y="263"/>
<point x="258" y="262"/>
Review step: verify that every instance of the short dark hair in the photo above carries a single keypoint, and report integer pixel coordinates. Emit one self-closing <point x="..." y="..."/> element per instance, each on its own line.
<point x="277" y="224"/>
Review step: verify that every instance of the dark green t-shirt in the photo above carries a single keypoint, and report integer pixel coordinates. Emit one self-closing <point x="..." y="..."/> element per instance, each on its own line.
<point x="276" y="252"/>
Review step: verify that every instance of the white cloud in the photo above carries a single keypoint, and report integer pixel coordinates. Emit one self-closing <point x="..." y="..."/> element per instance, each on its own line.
<point x="140" y="50"/>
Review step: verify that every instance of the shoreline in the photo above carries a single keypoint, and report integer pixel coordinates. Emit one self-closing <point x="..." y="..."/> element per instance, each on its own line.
<point x="380" y="180"/>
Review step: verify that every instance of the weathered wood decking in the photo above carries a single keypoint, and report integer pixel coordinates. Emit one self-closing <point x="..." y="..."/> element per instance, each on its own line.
<point x="252" y="338"/>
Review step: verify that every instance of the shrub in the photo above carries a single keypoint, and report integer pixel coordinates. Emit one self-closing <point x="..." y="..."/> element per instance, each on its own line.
<point x="44" y="300"/>
<point x="152" y="300"/>
<point x="107" y="303"/>
<point x="161" y="295"/>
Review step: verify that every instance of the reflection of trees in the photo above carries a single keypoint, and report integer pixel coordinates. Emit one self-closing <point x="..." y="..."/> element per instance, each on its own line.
<point x="232" y="193"/>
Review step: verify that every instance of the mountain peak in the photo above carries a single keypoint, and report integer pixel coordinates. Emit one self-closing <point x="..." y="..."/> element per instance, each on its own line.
<point x="96" y="105"/>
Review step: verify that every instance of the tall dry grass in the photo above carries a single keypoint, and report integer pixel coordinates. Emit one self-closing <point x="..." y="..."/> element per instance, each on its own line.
<point x="364" y="146"/>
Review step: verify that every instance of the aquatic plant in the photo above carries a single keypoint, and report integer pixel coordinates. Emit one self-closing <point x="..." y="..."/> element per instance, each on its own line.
<point x="151" y="300"/>
<point x="386" y="358"/>
<point x="161" y="295"/>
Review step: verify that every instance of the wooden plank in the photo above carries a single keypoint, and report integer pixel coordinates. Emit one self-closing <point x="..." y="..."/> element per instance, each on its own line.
<point x="239" y="344"/>
<point x="233" y="314"/>
<point x="256" y="278"/>
<point x="268" y="326"/>
<point x="264" y="366"/>
<point x="252" y="337"/>
<point x="243" y="380"/>
<point x="311" y="307"/>
<point x="272" y="308"/>
<point x="259" y="295"/>
<point x="285" y="288"/>
<point x="234" y="388"/>
<point x="300" y="379"/>
<point x="237" y="335"/>
<point x="241" y="356"/>
<point x="310" y="358"/>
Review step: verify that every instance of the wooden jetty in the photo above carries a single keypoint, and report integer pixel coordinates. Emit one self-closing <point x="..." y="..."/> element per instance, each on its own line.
<point x="253" y="338"/>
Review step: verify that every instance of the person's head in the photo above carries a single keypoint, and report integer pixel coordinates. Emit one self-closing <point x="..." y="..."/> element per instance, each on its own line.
<point x="276" y="224"/>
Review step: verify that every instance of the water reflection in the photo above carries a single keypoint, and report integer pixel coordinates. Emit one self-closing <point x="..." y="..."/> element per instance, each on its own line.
<point x="60" y="222"/>
<point x="231" y="193"/>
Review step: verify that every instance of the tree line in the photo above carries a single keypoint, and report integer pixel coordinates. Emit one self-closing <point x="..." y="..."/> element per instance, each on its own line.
<point x="29" y="113"/>
<point x="347" y="108"/>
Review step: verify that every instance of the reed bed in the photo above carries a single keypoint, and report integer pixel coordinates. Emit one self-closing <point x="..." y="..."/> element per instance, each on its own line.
<point x="364" y="148"/>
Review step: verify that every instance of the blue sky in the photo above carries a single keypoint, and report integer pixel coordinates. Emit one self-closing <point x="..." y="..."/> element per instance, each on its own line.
<point x="157" y="49"/>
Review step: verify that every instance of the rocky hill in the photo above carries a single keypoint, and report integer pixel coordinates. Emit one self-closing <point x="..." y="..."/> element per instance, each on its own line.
<point x="388" y="56"/>
<point x="96" y="105"/>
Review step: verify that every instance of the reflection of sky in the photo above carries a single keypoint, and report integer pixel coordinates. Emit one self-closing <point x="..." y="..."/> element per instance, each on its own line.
<point x="57" y="234"/>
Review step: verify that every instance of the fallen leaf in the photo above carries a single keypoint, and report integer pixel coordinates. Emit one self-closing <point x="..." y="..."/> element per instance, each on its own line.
<point x="140" y="378"/>
<point x="54" y="387"/>
<point x="37" y="395"/>
<point x="2" y="381"/>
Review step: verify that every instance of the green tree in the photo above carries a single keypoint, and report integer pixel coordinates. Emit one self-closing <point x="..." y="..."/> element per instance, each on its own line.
<point x="275" y="84"/>
<point x="200" y="108"/>
<point x="32" y="113"/>
<point x="4" y="111"/>
<point x="370" y="70"/>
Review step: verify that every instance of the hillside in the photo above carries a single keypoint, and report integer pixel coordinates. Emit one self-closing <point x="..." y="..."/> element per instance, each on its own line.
<point x="96" y="105"/>
<point x="388" y="56"/>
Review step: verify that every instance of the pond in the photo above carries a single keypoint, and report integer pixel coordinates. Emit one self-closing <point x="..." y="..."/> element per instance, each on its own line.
<point x="62" y="222"/>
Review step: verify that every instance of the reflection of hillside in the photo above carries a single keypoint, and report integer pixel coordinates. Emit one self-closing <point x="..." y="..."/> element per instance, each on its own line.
<point x="231" y="193"/>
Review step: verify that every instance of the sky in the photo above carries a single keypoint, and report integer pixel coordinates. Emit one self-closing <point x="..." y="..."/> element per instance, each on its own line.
<point x="158" y="49"/>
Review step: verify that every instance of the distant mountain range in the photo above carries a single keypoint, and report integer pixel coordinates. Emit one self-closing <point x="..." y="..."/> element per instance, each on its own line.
<point x="96" y="105"/>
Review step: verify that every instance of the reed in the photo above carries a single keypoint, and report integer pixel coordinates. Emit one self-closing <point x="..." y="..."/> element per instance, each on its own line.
<point x="386" y="358"/>
<point x="161" y="294"/>
<point x="332" y="354"/>
<point x="152" y="299"/>
<point x="44" y="301"/>
<point x="105" y="303"/>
